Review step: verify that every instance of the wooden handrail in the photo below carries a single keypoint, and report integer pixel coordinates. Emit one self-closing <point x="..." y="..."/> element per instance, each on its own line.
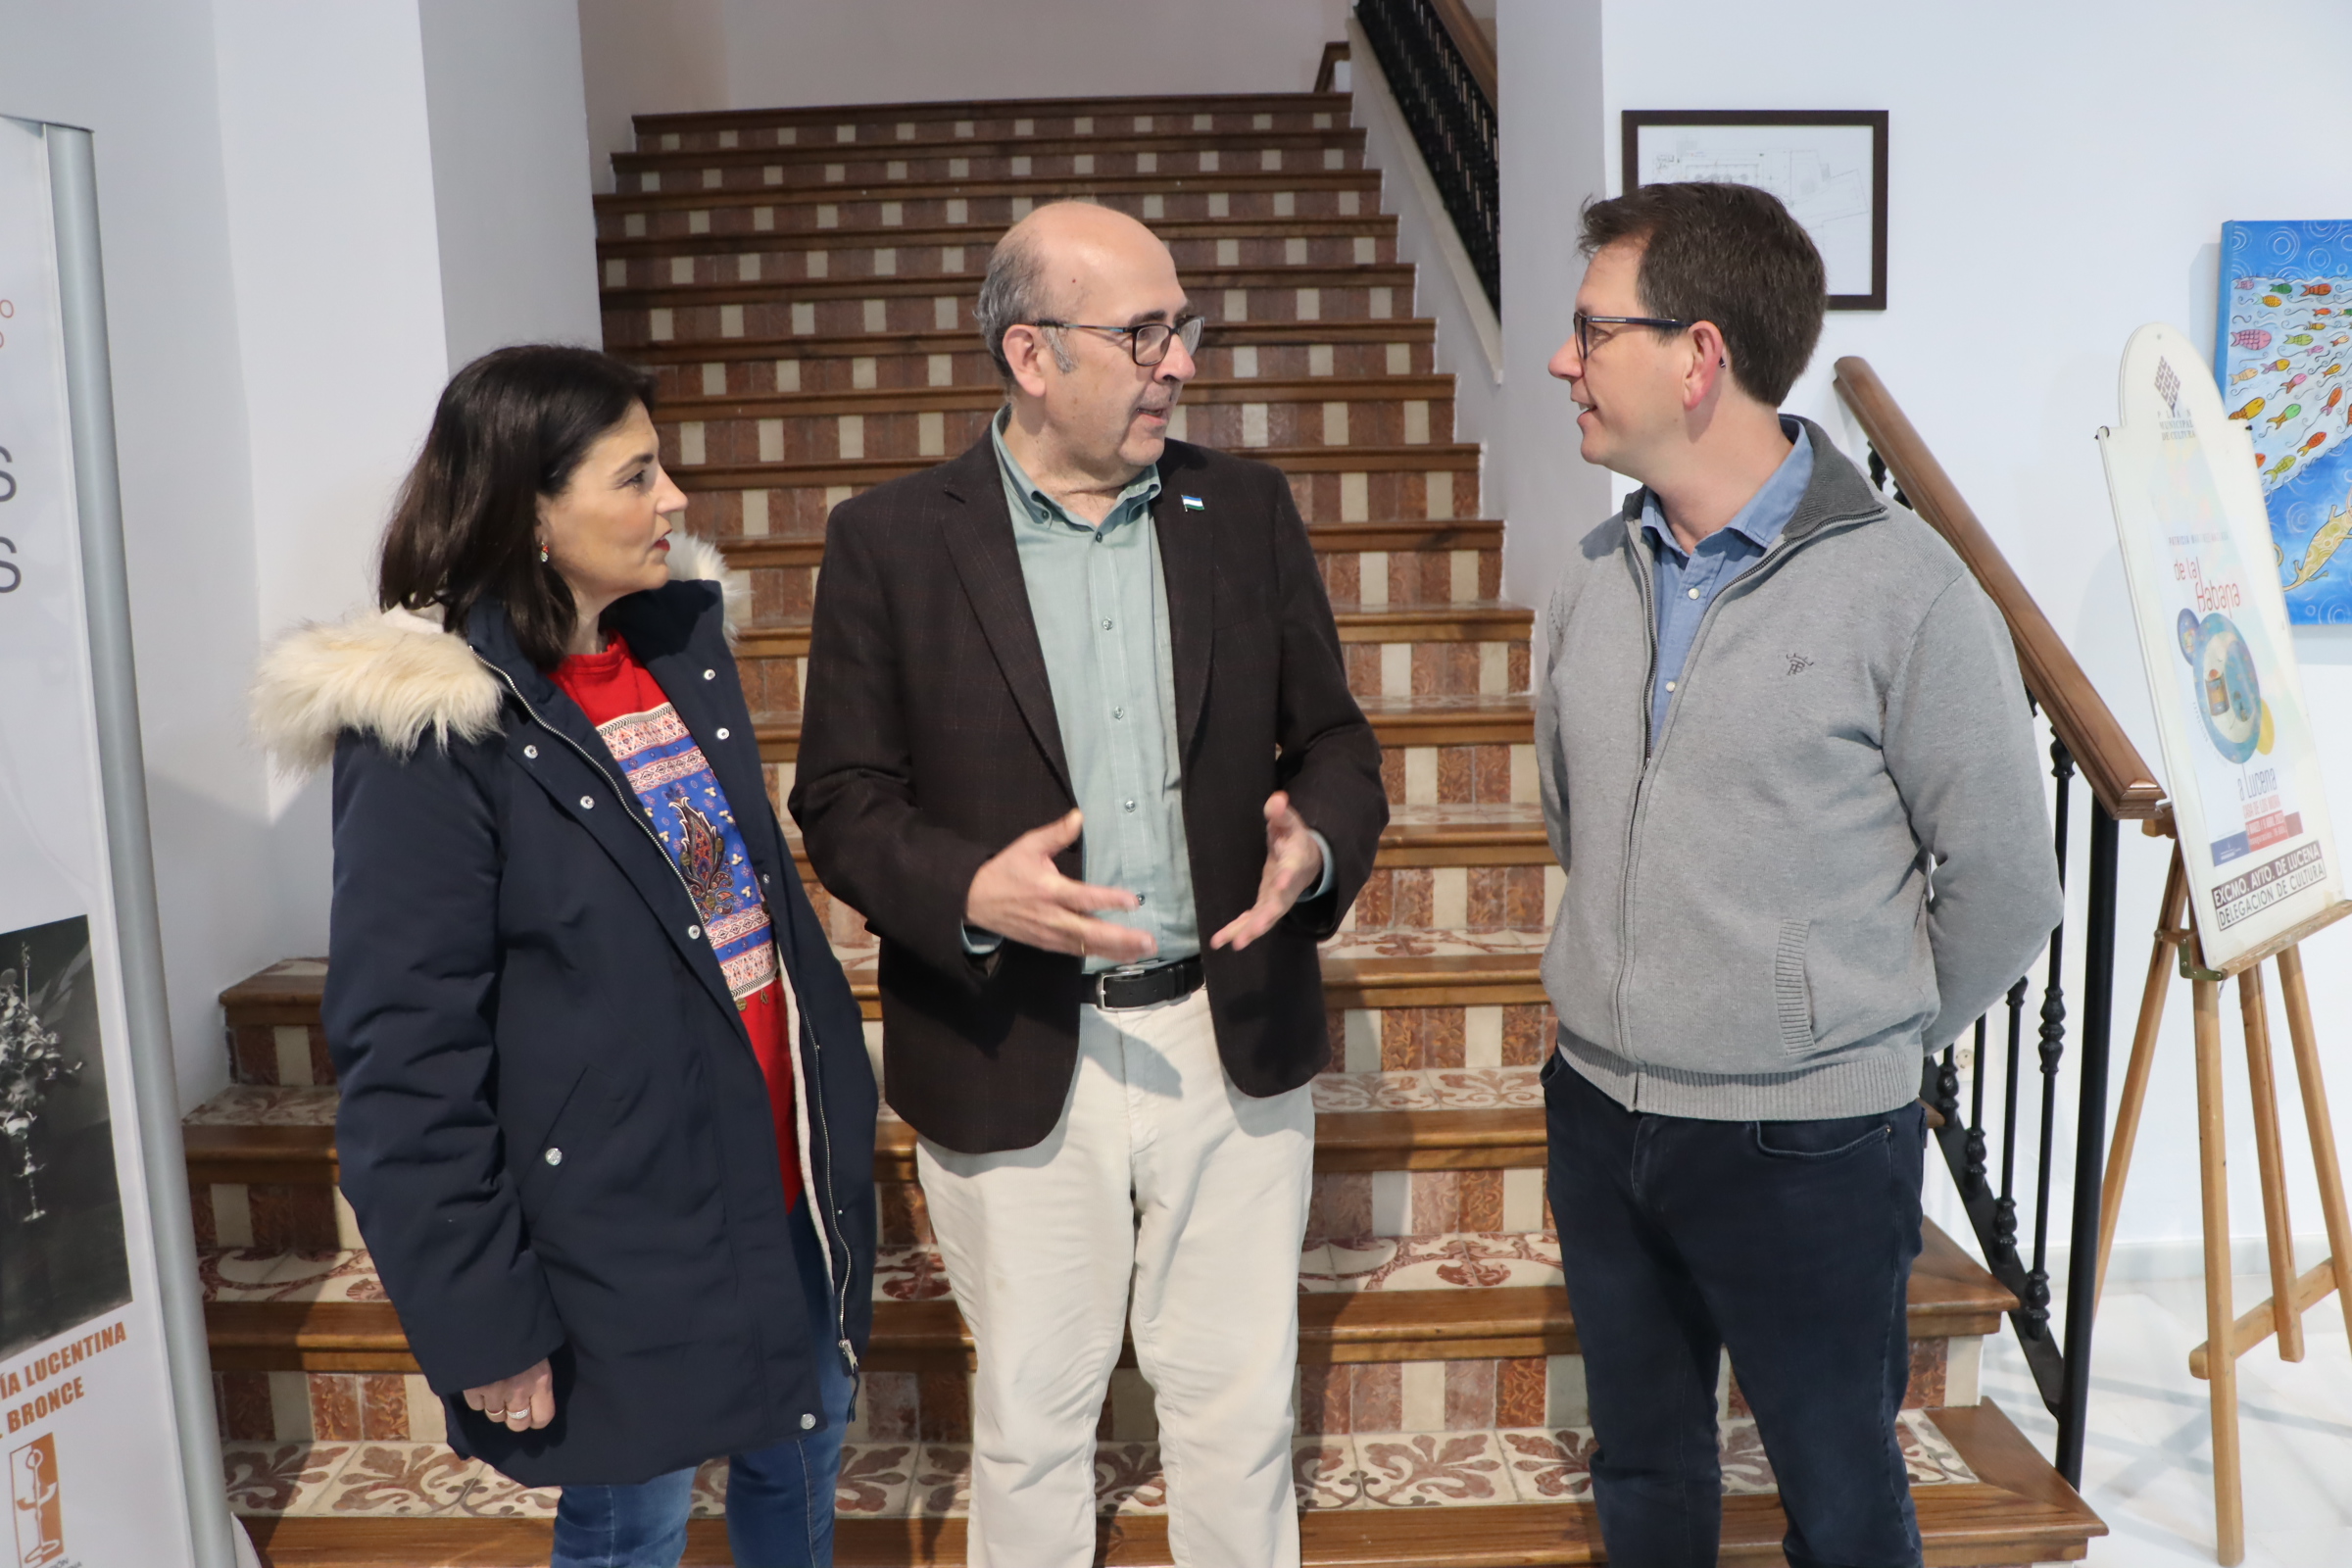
<point x="2110" y="762"/>
<point x="1471" y="39"/>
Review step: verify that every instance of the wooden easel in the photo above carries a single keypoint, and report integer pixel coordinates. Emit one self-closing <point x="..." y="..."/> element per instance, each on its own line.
<point x="2290" y="1296"/>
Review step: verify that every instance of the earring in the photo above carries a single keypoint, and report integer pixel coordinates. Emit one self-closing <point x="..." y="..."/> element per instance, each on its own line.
<point x="543" y="554"/>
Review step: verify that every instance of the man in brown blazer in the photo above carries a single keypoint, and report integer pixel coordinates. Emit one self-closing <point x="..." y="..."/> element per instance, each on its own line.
<point x="1083" y="670"/>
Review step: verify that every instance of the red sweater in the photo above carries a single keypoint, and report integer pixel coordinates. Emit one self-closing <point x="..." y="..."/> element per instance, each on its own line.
<point x="689" y="812"/>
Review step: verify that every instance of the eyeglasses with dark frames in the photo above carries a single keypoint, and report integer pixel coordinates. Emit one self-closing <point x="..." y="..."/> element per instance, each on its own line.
<point x="1585" y="323"/>
<point x="1148" y="342"/>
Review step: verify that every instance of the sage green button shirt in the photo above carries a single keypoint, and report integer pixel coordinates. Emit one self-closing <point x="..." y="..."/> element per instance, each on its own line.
<point x="1101" y="612"/>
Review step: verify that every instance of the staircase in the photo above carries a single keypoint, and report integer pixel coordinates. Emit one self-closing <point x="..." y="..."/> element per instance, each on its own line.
<point x="803" y="282"/>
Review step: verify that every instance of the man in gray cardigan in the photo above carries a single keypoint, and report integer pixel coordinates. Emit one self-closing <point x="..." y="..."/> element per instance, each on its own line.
<point x="1786" y="765"/>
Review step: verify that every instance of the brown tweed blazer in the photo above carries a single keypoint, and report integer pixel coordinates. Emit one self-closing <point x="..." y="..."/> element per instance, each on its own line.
<point x="929" y="742"/>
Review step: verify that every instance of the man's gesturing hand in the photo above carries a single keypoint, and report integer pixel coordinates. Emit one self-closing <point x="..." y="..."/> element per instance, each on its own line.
<point x="1293" y="863"/>
<point x="1020" y="896"/>
<point x="524" y="1401"/>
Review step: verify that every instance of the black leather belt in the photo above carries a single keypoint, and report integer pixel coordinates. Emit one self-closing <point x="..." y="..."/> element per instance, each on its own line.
<point x="1115" y="989"/>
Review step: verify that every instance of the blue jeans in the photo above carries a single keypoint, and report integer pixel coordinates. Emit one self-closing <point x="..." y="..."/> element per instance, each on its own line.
<point x="779" y="1498"/>
<point x="1791" y="1244"/>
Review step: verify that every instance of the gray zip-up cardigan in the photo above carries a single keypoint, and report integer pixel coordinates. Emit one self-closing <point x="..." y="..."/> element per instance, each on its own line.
<point x="1749" y="930"/>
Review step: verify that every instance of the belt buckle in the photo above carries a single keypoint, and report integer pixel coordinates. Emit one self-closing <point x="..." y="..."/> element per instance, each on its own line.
<point x="1104" y="979"/>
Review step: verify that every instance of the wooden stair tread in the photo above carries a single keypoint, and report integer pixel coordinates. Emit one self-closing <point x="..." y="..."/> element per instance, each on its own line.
<point x="914" y="399"/>
<point x="1203" y="280"/>
<point x="830" y="114"/>
<point x="789" y="550"/>
<point x="786" y="635"/>
<point x="2018" y="1510"/>
<point x="640" y="159"/>
<point x="979" y="236"/>
<point x="856" y="345"/>
<point x="1246" y="181"/>
<point x="1435" y="457"/>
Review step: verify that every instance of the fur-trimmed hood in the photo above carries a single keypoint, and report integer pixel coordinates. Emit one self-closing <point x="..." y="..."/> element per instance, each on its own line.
<point x="397" y="675"/>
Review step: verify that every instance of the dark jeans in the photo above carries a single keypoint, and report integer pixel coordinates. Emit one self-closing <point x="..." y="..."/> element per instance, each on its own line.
<point x="1791" y="1244"/>
<point x="779" y="1498"/>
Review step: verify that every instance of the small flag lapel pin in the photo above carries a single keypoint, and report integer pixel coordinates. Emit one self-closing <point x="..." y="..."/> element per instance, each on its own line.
<point x="1193" y="504"/>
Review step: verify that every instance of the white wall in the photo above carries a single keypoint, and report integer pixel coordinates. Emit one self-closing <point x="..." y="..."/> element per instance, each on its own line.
<point x="2047" y="198"/>
<point x="646" y="57"/>
<point x="656" y="56"/>
<point x="513" y="200"/>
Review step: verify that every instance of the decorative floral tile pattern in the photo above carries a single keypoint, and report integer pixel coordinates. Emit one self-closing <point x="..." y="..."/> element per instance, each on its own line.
<point x="1432" y="1469"/>
<point x="272" y="1478"/>
<point x="1128" y="1478"/>
<point x="709" y="1491"/>
<point x="1549" y="1466"/>
<point x="1462" y="1260"/>
<point x="1420" y="944"/>
<point x="254" y="1274"/>
<point x="1324" y="1474"/>
<point x="496" y="1496"/>
<point x="909" y="1274"/>
<point x="1430" y="1089"/>
<point x="897" y="1480"/>
<point x="266" y="1106"/>
<point x="1927" y="1454"/>
<point x="943" y="1480"/>
<point x="399" y="1479"/>
<point x="876" y="1480"/>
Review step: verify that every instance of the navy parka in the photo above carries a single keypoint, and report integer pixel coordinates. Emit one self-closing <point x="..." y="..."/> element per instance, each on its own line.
<point x="553" y="1128"/>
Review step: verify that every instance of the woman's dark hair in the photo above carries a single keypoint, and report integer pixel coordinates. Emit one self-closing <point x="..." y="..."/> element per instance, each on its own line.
<point x="1727" y="254"/>
<point x="511" y="426"/>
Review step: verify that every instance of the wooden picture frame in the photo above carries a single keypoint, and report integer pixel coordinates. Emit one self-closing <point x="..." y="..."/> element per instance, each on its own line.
<point x="1825" y="206"/>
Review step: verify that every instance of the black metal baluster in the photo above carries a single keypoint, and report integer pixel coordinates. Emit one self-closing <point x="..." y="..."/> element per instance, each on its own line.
<point x="1453" y="125"/>
<point x="2037" y="1312"/>
<point x="2004" y="1211"/>
<point x="1972" y="1180"/>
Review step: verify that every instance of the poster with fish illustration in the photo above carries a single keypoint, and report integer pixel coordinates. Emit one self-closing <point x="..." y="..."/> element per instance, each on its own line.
<point x="2248" y="798"/>
<point x="2283" y="357"/>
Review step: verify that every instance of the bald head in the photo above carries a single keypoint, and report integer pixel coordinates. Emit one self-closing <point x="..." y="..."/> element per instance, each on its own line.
<point x="1058" y="262"/>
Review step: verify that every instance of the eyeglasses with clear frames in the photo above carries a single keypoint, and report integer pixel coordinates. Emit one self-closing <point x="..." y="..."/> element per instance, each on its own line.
<point x="1585" y="323"/>
<point x="1148" y="342"/>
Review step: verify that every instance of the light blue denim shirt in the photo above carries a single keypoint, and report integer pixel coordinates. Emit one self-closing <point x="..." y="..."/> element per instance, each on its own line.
<point x="1688" y="581"/>
<point x="1102" y="611"/>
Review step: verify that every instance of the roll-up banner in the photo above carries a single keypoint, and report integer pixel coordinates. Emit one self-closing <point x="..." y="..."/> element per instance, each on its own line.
<point x="108" y="1453"/>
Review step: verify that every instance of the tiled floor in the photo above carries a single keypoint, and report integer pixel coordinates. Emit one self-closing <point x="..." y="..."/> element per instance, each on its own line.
<point x="1366" y="1471"/>
<point x="2148" y="1465"/>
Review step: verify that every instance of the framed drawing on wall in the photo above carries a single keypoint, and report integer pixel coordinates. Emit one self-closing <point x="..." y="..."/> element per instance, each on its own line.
<point x="1827" y="166"/>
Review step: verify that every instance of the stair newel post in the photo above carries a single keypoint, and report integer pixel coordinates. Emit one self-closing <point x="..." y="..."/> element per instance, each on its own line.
<point x="2090" y="1140"/>
<point x="2037" y="1311"/>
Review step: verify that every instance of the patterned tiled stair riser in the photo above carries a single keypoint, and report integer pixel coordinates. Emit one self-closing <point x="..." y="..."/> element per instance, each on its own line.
<point x="857" y="168"/>
<point x="1395" y="579"/>
<point x="959" y="254"/>
<point x="737" y="370"/>
<point x="284" y="1080"/>
<point x="1252" y="198"/>
<point x="777" y="685"/>
<point x="719" y="440"/>
<point x="794" y="503"/>
<point x="935" y="1403"/>
<point x="920" y="304"/>
<point x="1366" y="1471"/>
